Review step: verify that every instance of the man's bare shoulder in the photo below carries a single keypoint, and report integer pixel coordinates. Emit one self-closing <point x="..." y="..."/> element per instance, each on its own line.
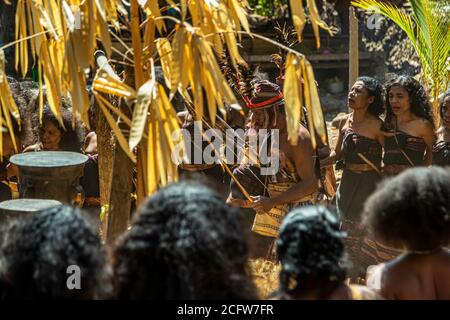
<point x="303" y="133"/>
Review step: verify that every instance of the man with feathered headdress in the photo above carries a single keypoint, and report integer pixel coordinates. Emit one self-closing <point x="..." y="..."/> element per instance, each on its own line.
<point x="295" y="182"/>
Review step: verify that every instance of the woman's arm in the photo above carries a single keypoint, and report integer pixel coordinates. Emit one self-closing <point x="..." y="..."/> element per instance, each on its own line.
<point x="336" y="154"/>
<point x="380" y="135"/>
<point x="33" y="147"/>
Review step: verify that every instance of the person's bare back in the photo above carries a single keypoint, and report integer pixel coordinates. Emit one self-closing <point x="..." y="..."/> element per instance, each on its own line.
<point x="414" y="276"/>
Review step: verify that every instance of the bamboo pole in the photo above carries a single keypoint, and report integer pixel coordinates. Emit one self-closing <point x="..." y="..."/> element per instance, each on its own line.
<point x="353" y="55"/>
<point x="139" y="77"/>
<point x="105" y="148"/>
<point x="116" y="170"/>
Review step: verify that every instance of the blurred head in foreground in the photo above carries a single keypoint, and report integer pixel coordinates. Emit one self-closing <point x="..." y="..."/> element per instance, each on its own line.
<point x="185" y="244"/>
<point x="42" y="255"/>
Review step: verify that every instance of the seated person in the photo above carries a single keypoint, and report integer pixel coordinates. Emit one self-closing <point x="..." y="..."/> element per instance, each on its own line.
<point x="91" y="180"/>
<point x="185" y="244"/>
<point x="311" y="251"/>
<point x="412" y="212"/>
<point x="53" y="136"/>
<point x="37" y="250"/>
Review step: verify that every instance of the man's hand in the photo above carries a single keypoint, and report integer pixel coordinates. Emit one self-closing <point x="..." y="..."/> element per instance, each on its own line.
<point x="262" y="204"/>
<point x="239" y="202"/>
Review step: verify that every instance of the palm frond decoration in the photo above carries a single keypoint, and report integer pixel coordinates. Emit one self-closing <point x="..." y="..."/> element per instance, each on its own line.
<point x="428" y="28"/>
<point x="62" y="37"/>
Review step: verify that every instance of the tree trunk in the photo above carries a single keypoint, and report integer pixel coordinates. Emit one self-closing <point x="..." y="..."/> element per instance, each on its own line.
<point x="105" y="146"/>
<point x="118" y="217"/>
<point x="119" y="198"/>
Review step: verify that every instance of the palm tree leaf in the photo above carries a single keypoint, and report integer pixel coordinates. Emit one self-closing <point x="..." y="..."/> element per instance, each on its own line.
<point x="293" y="97"/>
<point x="428" y="28"/>
<point x="400" y="17"/>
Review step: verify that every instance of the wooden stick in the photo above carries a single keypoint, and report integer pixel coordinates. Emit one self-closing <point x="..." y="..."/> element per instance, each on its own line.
<point x="353" y="56"/>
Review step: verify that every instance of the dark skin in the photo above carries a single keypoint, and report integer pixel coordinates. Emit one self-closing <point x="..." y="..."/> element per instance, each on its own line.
<point x="342" y="292"/>
<point x="409" y="123"/>
<point x="51" y="137"/>
<point x="414" y="276"/>
<point x="360" y="121"/>
<point x="443" y="133"/>
<point x="8" y="151"/>
<point x="90" y="143"/>
<point x="8" y="145"/>
<point x="302" y="157"/>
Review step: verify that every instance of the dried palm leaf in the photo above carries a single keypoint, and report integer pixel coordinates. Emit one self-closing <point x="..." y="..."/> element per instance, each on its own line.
<point x="293" y="97"/>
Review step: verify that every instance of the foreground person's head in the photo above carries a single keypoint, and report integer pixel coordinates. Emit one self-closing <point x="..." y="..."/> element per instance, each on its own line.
<point x="185" y="244"/>
<point x="311" y="251"/>
<point x="52" y="255"/>
<point x="412" y="210"/>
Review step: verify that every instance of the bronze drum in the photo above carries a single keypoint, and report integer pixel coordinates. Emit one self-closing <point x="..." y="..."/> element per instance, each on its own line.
<point x="50" y="175"/>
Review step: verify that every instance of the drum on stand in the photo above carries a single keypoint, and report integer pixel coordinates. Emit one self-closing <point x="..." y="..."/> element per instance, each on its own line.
<point x="19" y="208"/>
<point x="50" y="175"/>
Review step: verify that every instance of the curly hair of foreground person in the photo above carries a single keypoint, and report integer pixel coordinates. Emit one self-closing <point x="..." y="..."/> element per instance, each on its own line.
<point x="36" y="252"/>
<point x="185" y="244"/>
<point x="310" y="247"/>
<point x="412" y="210"/>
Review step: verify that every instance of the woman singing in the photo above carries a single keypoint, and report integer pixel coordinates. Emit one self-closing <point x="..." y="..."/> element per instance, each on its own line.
<point x="359" y="145"/>
<point x="409" y="127"/>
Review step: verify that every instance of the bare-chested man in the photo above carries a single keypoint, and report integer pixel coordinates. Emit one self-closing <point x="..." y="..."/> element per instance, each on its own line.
<point x="295" y="181"/>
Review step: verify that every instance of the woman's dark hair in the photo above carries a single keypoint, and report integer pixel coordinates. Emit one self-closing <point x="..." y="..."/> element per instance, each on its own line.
<point x="375" y="89"/>
<point x="441" y="104"/>
<point x="412" y="210"/>
<point x="71" y="137"/>
<point x="37" y="251"/>
<point x="420" y="103"/>
<point x="185" y="244"/>
<point x="310" y="247"/>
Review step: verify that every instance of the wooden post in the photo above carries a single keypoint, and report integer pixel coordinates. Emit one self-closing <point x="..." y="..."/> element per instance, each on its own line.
<point x="105" y="146"/>
<point x="119" y="197"/>
<point x="115" y="170"/>
<point x="353" y="54"/>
